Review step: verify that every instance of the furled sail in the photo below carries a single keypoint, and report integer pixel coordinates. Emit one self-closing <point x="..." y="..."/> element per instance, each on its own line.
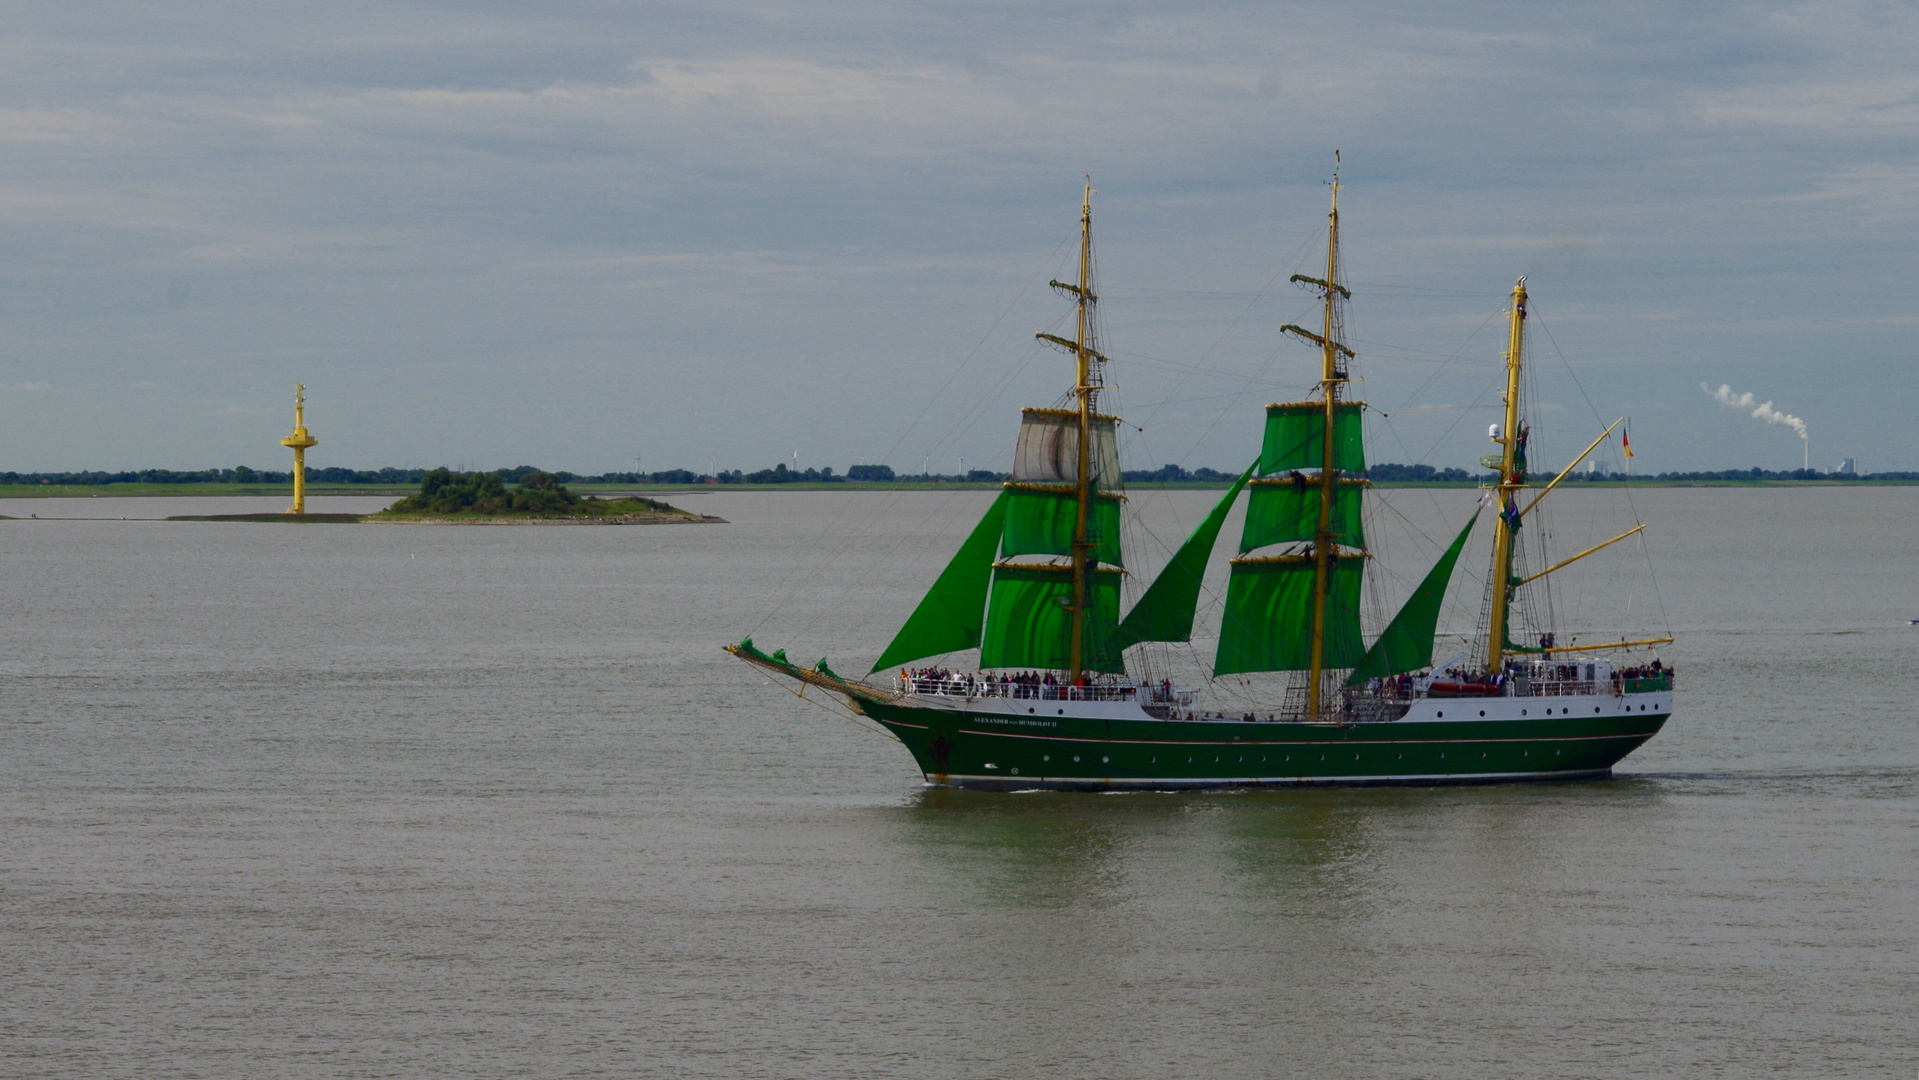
<point x="1268" y="625"/>
<point x="1165" y="611"/>
<point x="1048" y="448"/>
<point x="1029" y="621"/>
<point x="949" y="617"/>
<point x="1407" y="642"/>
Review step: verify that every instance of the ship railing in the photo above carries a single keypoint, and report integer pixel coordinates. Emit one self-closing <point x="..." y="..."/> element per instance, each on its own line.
<point x="1555" y="687"/>
<point x="974" y="686"/>
<point x="1185" y="699"/>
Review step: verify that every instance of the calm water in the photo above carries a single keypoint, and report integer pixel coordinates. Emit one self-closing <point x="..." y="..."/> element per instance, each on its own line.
<point x="417" y="801"/>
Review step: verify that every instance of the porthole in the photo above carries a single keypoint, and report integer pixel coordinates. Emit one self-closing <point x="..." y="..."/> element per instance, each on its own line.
<point x="1029" y="712"/>
<point x="1075" y="757"/>
<point x="1189" y="761"/>
<point x="1104" y="760"/>
<point x="1015" y="772"/>
<point x="1482" y="712"/>
<point x="1555" y="753"/>
<point x="1399" y="757"/>
<point x="1215" y="757"/>
<point x="1522" y="712"/>
<point x="1442" y="755"/>
<point x="1322" y="757"/>
<point x="1242" y="757"/>
<point x="1046" y="757"/>
<point x="1062" y="712"/>
<point x="1355" y="757"/>
<point x="1262" y="757"/>
<point x="1525" y="753"/>
<point x="1152" y="761"/>
<point x="1595" y="708"/>
<point x="1440" y="714"/>
<point x="1482" y="753"/>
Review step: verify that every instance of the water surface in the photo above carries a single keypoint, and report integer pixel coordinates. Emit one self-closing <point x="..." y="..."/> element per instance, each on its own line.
<point x="429" y="801"/>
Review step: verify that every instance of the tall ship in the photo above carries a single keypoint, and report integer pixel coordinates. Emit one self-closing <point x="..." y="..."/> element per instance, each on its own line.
<point x="1063" y="694"/>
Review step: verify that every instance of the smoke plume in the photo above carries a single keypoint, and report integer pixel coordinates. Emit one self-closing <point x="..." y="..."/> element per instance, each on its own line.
<point x="1760" y="411"/>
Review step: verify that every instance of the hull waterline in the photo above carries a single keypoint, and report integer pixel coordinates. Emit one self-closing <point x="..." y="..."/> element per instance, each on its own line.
<point x="1009" y="752"/>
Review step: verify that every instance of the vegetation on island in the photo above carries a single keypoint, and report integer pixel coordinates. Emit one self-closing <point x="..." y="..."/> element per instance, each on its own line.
<point x="538" y="495"/>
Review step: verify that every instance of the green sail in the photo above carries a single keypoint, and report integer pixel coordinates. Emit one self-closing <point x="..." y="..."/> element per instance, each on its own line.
<point x="1282" y="512"/>
<point x="1029" y="625"/>
<point x="1040" y="521"/>
<point x="1268" y="625"/>
<point x="1407" y="642"/>
<point x="1165" y="612"/>
<point x="949" y="618"/>
<point x="1296" y="437"/>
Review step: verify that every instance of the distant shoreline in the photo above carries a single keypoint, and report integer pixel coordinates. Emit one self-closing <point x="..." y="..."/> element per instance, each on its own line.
<point x="628" y="519"/>
<point x="142" y="491"/>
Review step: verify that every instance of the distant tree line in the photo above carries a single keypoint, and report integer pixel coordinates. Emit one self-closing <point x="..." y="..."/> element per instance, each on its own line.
<point x="1417" y="474"/>
<point x="1173" y="474"/>
<point x="1385" y="472"/>
<point x="1389" y="473"/>
<point x="241" y="475"/>
<point x="1762" y="474"/>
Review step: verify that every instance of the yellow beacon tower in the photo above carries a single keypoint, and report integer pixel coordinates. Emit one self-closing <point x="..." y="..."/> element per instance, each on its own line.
<point x="299" y="441"/>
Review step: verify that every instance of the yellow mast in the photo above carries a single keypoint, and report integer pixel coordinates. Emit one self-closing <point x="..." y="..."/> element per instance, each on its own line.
<point x="299" y="441"/>
<point x="1330" y="378"/>
<point x="1084" y="387"/>
<point x="1509" y="484"/>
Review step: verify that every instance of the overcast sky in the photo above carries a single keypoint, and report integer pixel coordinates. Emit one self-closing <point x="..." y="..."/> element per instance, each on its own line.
<point x="573" y="233"/>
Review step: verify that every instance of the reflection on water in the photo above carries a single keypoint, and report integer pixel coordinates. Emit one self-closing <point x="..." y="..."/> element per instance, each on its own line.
<point x="1024" y="850"/>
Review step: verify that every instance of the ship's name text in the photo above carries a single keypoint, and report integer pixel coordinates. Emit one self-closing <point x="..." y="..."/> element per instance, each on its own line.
<point x="1013" y="721"/>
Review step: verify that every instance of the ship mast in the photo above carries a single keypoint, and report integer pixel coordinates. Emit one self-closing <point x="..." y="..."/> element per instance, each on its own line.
<point x="1086" y="389"/>
<point x="1511" y="479"/>
<point x="1332" y="377"/>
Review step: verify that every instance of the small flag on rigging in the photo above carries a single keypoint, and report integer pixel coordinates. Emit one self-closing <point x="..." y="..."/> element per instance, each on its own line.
<point x="1625" y="442"/>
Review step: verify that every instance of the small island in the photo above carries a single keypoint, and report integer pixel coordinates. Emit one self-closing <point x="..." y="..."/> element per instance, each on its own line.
<point x="482" y="498"/>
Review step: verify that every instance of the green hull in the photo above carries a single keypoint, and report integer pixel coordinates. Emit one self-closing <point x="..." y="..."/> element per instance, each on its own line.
<point x="1006" y="752"/>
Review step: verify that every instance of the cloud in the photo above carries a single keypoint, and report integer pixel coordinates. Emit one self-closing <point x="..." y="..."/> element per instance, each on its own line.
<point x="1889" y="102"/>
<point x="622" y="205"/>
<point x="51" y="125"/>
